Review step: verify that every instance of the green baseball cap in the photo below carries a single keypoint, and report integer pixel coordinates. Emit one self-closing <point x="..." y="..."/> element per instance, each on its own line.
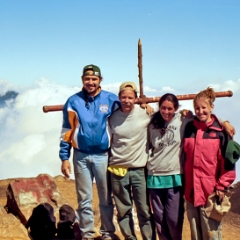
<point x="94" y="68"/>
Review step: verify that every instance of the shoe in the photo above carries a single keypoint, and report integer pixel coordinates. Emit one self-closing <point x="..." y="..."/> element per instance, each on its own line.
<point x="86" y="238"/>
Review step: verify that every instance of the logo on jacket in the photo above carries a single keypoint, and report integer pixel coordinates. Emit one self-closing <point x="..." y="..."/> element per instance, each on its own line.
<point x="212" y="134"/>
<point x="103" y="108"/>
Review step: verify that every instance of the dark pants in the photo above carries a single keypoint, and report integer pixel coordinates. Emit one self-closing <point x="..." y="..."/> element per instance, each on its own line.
<point x="168" y="210"/>
<point x="126" y="189"/>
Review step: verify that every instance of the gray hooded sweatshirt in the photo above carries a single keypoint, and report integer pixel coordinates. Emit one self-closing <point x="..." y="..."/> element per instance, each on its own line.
<point x="166" y="155"/>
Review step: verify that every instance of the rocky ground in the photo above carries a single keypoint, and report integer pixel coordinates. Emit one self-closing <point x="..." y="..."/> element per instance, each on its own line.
<point x="231" y="222"/>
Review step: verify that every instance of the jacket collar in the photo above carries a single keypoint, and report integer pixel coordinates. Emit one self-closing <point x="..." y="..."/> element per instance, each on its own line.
<point x="213" y="124"/>
<point x="91" y="98"/>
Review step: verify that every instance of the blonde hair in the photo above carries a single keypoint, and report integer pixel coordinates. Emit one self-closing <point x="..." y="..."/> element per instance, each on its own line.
<point x="208" y="94"/>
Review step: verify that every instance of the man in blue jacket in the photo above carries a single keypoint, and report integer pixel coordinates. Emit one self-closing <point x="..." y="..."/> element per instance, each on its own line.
<point x="85" y="129"/>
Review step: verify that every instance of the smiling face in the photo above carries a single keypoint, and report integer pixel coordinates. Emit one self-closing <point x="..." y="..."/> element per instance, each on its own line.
<point x="127" y="99"/>
<point x="203" y="109"/>
<point x="167" y="110"/>
<point x="91" y="83"/>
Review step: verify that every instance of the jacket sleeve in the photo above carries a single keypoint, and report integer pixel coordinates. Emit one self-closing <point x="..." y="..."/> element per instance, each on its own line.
<point x="115" y="103"/>
<point x="68" y="128"/>
<point x="226" y="169"/>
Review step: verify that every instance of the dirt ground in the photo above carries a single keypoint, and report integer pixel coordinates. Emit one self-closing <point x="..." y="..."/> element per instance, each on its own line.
<point x="231" y="222"/>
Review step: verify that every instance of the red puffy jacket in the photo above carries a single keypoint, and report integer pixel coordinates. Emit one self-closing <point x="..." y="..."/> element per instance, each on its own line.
<point x="205" y="168"/>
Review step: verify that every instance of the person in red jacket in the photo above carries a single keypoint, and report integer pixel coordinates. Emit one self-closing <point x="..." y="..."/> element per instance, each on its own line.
<point x="206" y="170"/>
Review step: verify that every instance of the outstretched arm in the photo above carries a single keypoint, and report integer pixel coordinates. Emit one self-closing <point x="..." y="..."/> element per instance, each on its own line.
<point x="229" y="128"/>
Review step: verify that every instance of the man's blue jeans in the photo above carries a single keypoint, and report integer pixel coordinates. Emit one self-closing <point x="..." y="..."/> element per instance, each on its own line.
<point x="86" y="167"/>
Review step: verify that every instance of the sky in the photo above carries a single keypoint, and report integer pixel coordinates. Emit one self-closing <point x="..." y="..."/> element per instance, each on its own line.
<point x="44" y="45"/>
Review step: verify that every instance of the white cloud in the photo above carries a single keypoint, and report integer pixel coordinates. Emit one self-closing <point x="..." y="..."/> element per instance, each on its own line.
<point x="6" y="86"/>
<point x="31" y="137"/>
<point x="33" y="143"/>
<point x="150" y="90"/>
<point x="113" y="87"/>
<point x="168" y="89"/>
<point x="227" y="85"/>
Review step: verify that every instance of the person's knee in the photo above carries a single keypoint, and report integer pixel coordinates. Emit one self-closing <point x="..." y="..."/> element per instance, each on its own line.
<point x="124" y="213"/>
<point x="85" y="205"/>
<point x="144" y="213"/>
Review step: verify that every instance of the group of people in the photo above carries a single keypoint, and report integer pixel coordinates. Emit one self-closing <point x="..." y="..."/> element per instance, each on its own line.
<point x="154" y="159"/>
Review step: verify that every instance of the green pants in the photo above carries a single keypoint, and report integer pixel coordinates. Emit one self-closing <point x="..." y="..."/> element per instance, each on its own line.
<point x="132" y="187"/>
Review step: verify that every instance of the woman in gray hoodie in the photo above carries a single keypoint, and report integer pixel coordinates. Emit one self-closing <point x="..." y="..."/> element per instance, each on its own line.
<point x="165" y="168"/>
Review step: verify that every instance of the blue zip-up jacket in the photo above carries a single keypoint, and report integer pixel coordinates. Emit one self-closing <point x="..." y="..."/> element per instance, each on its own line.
<point x="85" y="123"/>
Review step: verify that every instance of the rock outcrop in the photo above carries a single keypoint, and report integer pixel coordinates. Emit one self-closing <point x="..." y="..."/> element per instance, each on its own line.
<point x="24" y="194"/>
<point x="10" y="227"/>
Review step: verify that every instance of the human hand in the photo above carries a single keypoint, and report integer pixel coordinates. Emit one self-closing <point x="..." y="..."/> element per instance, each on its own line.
<point x="220" y="194"/>
<point x="143" y="105"/>
<point x="148" y="108"/>
<point x="187" y="113"/>
<point x="66" y="168"/>
<point x="229" y="128"/>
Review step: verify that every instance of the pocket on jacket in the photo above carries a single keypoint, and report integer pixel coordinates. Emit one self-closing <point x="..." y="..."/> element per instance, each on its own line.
<point x="208" y="185"/>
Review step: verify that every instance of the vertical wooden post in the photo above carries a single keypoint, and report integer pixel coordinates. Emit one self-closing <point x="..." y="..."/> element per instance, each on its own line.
<point x="140" y="69"/>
